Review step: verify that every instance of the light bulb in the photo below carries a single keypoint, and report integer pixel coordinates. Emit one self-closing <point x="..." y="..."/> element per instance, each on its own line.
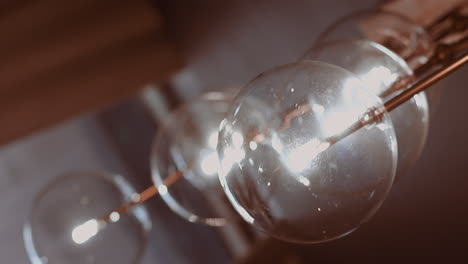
<point x="397" y="33"/>
<point x="379" y="68"/>
<point x="65" y="226"/>
<point x="296" y="184"/>
<point x="187" y="143"/>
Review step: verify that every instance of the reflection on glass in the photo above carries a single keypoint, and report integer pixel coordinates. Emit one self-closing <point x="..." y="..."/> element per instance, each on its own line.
<point x="279" y="166"/>
<point x="64" y="225"/>
<point x="187" y="142"/>
<point x="85" y="231"/>
<point x="379" y="68"/>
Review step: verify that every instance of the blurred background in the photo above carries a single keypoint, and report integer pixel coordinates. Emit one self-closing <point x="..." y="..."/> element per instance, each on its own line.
<point x="84" y="84"/>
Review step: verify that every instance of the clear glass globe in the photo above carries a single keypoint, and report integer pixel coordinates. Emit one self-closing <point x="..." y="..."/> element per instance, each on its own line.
<point x="397" y="33"/>
<point x="281" y="171"/>
<point x="379" y="69"/>
<point x="64" y="225"/>
<point x="187" y="142"/>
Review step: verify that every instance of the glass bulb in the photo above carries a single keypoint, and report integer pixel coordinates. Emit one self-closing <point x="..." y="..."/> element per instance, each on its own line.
<point x="397" y="33"/>
<point x="280" y="170"/>
<point x="187" y="142"/>
<point x="379" y="68"/>
<point x="65" y="226"/>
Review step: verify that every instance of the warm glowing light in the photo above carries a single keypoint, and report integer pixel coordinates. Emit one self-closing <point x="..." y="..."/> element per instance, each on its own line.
<point x="301" y="158"/>
<point x="85" y="231"/>
<point x="209" y="163"/>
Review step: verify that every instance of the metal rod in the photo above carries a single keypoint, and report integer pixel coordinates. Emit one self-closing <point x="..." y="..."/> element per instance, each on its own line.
<point x="144" y="195"/>
<point x="425" y="83"/>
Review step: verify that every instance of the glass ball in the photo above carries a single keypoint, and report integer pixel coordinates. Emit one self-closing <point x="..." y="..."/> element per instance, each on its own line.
<point x="379" y="68"/>
<point x="397" y="33"/>
<point x="64" y="225"/>
<point x="187" y="142"/>
<point x="281" y="171"/>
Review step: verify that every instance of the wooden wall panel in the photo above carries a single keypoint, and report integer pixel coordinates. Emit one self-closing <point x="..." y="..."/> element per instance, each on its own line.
<point x="62" y="58"/>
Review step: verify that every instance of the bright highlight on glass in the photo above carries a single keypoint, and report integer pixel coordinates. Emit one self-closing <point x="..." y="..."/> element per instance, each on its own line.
<point x="67" y="225"/>
<point x="85" y="231"/>
<point x="379" y="69"/>
<point x="187" y="142"/>
<point x="399" y="34"/>
<point x="279" y="165"/>
<point x="114" y="217"/>
<point x="300" y="158"/>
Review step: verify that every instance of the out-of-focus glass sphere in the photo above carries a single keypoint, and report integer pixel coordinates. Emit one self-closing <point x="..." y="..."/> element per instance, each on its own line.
<point x="397" y="33"/>
<point x="281" y="171"/>
<point x="64" y="225"/>
<point x="379" y="69"/>
<point x="187" y="142"/>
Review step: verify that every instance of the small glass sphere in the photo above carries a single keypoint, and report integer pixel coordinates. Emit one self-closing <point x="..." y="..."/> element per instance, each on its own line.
<point x="281" y="171"/>
<point x="379" y="68"/>
<point x="64" y="225"/>
<point x="187" y="142"/>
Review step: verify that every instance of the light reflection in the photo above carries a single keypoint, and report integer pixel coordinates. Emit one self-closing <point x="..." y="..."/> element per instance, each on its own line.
<point x="231" y="157"/>
<point x="357" y="101"/>
<point x="303" y="180"/>
<point x="209" y="163"/>
<point x="318" y="109"/>
<point x="421" y="101"/>
<point x="114" y="217"/>
<point x="357" y="95"/>
<point x="253" y="145"/>
<point x="300" y="158"/>
<point x="237" y="139"/>
<point x="136" y="197"/>
<point x="233" y="154"/>
<point x="276" y="143"/>
<point x="382" y="126"/>
<point x="335" y="122"/>
<point x="85" y="231"/>
<point x="378" y="78"/>
<point x="162" y="190"/>
<point x="213" y="140"/>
